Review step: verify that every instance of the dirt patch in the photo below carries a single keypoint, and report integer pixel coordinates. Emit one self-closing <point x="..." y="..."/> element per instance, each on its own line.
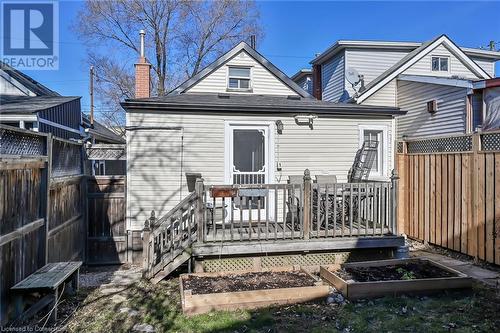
<point x="405" y="271"/>
<point x="247" y="281"/>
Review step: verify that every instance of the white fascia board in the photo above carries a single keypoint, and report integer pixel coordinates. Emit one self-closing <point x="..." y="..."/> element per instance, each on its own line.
<point x="18" y="117"/>
<point x="423" y="53"/>
<point x="444" y="81"/>
<point x="66" y="128"/>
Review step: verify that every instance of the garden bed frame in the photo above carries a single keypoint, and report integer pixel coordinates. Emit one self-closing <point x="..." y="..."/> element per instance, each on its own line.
<point x="201" y="303"/>
<point x="356" y="290"/>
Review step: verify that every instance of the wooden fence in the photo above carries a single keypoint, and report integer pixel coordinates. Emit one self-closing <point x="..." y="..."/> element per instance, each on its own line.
<point x="42" y="210"/>
<point x="450" y="192"/>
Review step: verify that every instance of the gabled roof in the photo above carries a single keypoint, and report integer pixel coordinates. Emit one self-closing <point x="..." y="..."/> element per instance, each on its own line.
<point x="32" y="85"/>
<point x="301" y="73"/>
<point x="393" y="46"/>
<point x="414" y="56"/>
<point x="236" y="103"/>
<point x="242" y="46"/>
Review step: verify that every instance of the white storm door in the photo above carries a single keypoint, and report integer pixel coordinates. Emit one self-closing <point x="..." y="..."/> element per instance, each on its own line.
<point x="249" y="164"/>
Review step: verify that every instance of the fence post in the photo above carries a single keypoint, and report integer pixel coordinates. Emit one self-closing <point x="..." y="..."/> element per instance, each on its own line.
<point x="146" y="249"/>
<point x="394" y="201"/>
<point x="46" y="209"/>
<point x="307" y="203"/>
<point x="200" y="210"/>
<point x="476" y="146"/>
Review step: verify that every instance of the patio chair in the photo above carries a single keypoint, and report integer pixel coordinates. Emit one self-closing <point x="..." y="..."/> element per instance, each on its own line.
<point x="293" y="203"/>
<point x="325" y="179"/>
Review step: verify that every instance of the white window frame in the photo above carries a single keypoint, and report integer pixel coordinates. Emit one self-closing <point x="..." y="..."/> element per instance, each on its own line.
<point x="250" y="78"/>
<point x="384" y="159"/>
<point x="441" y="57"/>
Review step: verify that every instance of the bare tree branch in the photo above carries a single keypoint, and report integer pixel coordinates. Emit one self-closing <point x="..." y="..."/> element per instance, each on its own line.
<point x="182" y="37"/>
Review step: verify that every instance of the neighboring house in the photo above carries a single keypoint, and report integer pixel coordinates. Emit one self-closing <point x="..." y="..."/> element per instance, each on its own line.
<point x="431" y="81"/>
<point x="27" y="104"/>
<point x="303" y="78"/>
<point x="240" y="121"/>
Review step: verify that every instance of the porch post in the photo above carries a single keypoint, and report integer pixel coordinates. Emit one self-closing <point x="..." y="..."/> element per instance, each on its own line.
<point x="394" y="201"/>
<point x="199" y="214"/>
<point x="307" y="203"/>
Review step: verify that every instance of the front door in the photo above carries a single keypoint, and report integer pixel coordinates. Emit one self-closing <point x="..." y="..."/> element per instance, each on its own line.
<point x="249" y="157"/>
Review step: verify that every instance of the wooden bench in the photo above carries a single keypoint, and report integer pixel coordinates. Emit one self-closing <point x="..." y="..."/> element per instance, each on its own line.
<point x="47" y="280"/>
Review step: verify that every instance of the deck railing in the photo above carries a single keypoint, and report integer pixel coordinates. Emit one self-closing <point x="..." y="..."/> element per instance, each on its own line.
<point x="165" y="238"/>
<point x="297" y="211"/>
<point x="269" y="212"/>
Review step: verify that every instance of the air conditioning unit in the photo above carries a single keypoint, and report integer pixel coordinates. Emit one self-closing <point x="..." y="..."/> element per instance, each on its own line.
<point x="432" y="106"/>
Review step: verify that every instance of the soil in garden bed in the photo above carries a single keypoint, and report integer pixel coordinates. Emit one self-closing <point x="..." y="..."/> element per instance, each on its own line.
<point x="404" y="271"/>
<point x="247" y="282"/>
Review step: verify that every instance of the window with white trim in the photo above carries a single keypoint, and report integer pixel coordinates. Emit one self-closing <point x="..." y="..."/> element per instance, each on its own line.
<point x="239" y="78"/>
<point x="440" y="64"/>
<point x="380" y="135"/>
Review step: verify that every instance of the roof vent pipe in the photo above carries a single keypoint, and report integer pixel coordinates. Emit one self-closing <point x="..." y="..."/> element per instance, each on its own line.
<point x="253" y="42"/>
<point x="142" y="33"/>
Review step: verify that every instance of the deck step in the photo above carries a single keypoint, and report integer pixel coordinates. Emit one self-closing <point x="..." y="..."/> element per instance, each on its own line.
<point x="171" y="266"/>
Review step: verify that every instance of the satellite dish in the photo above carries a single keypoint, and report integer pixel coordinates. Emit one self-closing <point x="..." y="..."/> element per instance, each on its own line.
<point x="352" y="76"/>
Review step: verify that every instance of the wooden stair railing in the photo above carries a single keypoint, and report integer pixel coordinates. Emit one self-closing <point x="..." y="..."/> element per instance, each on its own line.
<point x="167" y="241"/>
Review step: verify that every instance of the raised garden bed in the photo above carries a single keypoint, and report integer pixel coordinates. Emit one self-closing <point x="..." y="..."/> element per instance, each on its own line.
<point x="392" y="277"/>
<point x="203" y="292"/>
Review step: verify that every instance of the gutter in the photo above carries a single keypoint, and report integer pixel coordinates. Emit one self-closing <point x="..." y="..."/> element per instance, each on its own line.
<point x="131" y="106"/>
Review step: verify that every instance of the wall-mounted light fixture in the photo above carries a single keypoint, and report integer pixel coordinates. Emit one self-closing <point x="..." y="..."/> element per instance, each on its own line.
<point x="305" y="119"/>
<point x="279" y="126"/>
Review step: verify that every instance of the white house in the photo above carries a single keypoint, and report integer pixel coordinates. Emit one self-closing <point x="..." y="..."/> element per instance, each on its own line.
<point x="431" y="81"/>
<point x="241" y="120"/>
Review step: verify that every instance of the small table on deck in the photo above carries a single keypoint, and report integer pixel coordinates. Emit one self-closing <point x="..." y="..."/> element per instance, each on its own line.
<point x="47" y="279"/>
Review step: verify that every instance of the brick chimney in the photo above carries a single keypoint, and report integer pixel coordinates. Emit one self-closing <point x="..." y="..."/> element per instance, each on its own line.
<point x="142" y="73"/>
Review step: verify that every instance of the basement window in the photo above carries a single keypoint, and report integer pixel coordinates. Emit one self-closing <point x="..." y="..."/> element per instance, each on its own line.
<point x="440" y="64"/>
<point x="239" y="78"/>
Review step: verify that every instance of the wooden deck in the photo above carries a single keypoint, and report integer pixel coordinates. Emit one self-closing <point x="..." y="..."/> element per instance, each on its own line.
<point x="279" y="231"/>
<point x="253" y="219"/>
<point x="294" y="245"/>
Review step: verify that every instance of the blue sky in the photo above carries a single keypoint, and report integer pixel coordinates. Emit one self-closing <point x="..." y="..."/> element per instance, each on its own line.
<point x="295" y="31"/>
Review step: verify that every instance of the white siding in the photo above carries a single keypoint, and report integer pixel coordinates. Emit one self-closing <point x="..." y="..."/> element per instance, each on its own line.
<point x="386" y="96"/>
<point x="370" y="63"/>
<point x="305" y="83"/>
<point x="487" y="64"/>
<point x="154" y="173"/>
<point x="457" y="67"/>
<point x="413" y="98"/>
<point x="332" y="78"/>
<point x="263" y="82"/>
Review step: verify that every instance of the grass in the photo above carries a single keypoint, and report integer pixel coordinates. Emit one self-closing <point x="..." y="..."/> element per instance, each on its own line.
<point x="159" y="305"/>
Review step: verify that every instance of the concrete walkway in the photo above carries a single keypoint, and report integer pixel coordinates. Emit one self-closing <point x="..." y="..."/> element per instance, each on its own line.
<point x="486" y="276"/>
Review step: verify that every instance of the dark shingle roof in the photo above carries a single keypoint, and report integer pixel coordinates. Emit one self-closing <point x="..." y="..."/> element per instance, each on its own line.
<point x="251" y="103"/>
<point x="101" y="132"/>
<point x="36" y="87"/>
<point x="11" y="104"/>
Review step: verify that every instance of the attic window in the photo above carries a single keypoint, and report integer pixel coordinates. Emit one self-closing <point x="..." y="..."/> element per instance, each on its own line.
<point x="239" y="78"/>
<point x="440" y="64"/>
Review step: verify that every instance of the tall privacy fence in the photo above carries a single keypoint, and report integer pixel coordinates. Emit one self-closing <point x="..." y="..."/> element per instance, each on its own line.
<point x="450" y="192"/>
<point x="42" y="213"/>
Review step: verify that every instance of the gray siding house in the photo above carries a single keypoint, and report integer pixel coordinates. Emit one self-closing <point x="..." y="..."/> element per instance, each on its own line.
<point x="242" y="121"/>
<point x="409" y="76"/>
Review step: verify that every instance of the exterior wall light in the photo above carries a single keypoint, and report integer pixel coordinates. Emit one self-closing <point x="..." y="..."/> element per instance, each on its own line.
<point x="279" y="126"/>
<point x="305" y="119"/>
